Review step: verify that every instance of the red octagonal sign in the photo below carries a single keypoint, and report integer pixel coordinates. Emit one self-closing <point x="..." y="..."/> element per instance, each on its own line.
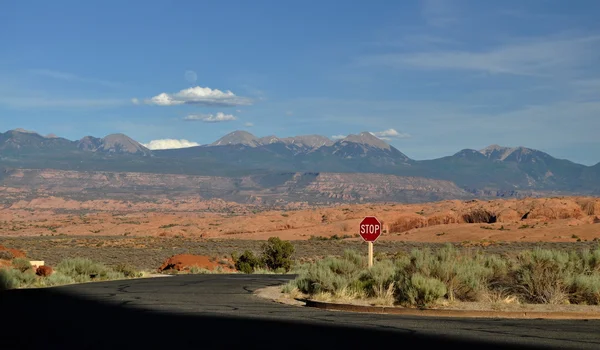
<point x="370" y="229"/>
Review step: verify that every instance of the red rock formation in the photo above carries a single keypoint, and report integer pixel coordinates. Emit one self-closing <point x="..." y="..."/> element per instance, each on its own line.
<point x="44" y="271"/>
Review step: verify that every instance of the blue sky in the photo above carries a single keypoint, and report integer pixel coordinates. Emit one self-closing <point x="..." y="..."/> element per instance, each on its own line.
<point x="432" y="77"/>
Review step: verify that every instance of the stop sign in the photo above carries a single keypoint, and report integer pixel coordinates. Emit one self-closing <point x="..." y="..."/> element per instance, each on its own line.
<point x="370" y="229"/>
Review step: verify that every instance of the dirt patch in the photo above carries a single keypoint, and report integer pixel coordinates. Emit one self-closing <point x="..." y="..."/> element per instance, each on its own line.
<point x="184" y="262"/>
<point x="16" y="253"/>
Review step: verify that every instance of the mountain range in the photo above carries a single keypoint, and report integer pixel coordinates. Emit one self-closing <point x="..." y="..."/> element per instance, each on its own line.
<point x="492" y="171"/>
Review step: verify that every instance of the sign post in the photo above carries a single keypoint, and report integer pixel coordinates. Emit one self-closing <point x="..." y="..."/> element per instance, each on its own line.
<point x="370" y="230"/>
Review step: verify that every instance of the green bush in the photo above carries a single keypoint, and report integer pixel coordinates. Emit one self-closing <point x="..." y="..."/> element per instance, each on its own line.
<point x="585" y="289"/>
<point x="8" y="280"/>
<point x="81" y="270"/>
<point x="196" y="270"/>
<point x="541" y="276"/>
<point x="419" y="290"/>
<point x="57" y="279"/>
<point x="11" y="278"/>
<point x="247" y="262"/>
<point x="21" y="264"/>
<point x="127" y="270"/>
<point x="277" y="254"/>
<point x="423" y="276"/>
<point x="379" y="278"/>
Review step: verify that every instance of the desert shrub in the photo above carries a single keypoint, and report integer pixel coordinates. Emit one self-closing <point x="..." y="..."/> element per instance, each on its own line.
<point x="127" y="270"/>
<point x="21" y="264"/>
<point x="289" y="287"/>
<point x="585" y="289"/>
<point x="417" y="289"/>
<point x="478" y="216"/>
<point x="80" y="269"/>
<point x="196" y="270"/>
<point x="464" y="276"/>
<point x="541" y="276"/>
<point x="277" y="254"/>
<point x="247" y="262"/>
<point x="57" y="279"/>
<point x="6" y="255"/>
<point x="299" y="268"/>
<point x="590" y="261"/>
<point x="378" y="281"/>
<point x="8" y="280"/>
<point x="15" y="278"/>
<point x="333" y="275"/>
<point x="263" y="271"/>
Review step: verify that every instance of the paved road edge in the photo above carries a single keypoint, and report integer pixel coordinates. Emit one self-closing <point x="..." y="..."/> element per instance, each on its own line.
<point x="274" y="294"/>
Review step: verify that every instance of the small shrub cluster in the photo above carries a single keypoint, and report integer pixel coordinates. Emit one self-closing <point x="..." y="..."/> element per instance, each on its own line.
<point x="276" y="256"/>
<point x="425" y="277"/>
<point x="76" y="270"/>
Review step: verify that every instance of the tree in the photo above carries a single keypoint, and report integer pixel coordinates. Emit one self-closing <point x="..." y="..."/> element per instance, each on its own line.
<point x="277" y="254"/>
<point x="247" y="262"/>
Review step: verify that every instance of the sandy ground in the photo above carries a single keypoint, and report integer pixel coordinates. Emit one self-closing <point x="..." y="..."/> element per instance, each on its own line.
<point x="528" y="220"/>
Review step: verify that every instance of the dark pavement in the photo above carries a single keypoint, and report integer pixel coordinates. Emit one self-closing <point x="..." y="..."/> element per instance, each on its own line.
<point x="221" y="312"/>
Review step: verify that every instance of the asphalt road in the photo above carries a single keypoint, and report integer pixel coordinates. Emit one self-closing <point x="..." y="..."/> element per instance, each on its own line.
<point x="221" y="312"/>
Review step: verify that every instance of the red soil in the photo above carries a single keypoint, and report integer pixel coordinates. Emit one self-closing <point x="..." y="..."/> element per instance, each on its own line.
<point x="183" y="262"/>
<point x="15" y="252"/>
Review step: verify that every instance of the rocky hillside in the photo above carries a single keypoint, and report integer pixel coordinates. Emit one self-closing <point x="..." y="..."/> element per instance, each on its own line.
<point x="281" y="188"/>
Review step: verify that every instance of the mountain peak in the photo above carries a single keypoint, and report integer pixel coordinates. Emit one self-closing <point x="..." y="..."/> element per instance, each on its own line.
<point x="121" y="143"/>
<point x="310" y="141"/>
<point x="238" y="137"/>
<point x="366" y="138"/>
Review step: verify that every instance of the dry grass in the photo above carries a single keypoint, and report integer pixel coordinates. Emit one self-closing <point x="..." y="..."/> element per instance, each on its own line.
<point x="384" y="296"/>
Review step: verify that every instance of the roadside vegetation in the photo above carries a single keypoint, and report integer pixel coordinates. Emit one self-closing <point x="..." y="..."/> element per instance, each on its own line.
<point x="276" y="257"/>
<point x="424" y="278"/>
<point x="76" y="270"/>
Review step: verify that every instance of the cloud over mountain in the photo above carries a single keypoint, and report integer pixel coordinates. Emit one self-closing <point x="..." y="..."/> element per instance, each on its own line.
<point x="199" y="96"/>
<point x="169" y="144"/>
<point x="390" y="134"/>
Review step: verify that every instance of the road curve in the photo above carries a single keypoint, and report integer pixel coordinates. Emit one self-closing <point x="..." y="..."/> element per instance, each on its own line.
<point x="221" y="312"/>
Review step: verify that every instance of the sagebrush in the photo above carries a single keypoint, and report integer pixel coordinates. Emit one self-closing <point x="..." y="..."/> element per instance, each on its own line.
<point x="423" y="277"/>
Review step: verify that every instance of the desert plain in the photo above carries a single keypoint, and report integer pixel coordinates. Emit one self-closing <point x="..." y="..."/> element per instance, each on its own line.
<point x="145" y="233"/>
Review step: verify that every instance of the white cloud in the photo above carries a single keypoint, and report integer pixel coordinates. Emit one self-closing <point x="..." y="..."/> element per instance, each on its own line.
<point x="201" y="96"/>
<point x="536" y="57"/>
<point x="211" y="118"/>
<point x="135" y="101"/>
<point x="338" y="137"/>
<point x="249" y="124"/>
<point x="390" y="134"/>
<point x="71" y="77"/>
<point x="169" y="144"/>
